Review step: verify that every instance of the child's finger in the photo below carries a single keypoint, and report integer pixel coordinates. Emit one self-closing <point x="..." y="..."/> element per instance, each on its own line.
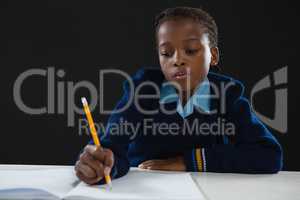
<point x="107" y="171"/>
<point x="108" y="161"/>
<point x="145" y="164"/>
<point x="86" y="170"/>
<point x="151" y="162"/>
<point x="108" y="158"/>
<point x="87" y="180"/>
<point x="148" y="162"/>
<point x="93" y="150"/>
<point x="99" y="154"/>
<point x="158" y="166"/>
<point x="96" y="165"/>
<point x="90" y="148"/>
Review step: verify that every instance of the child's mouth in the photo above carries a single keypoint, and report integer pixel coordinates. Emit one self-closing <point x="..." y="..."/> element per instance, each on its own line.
<point x="180" y="75"/>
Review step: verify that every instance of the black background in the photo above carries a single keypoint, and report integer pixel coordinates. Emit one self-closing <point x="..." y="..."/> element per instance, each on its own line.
<point x="82" y="37"/>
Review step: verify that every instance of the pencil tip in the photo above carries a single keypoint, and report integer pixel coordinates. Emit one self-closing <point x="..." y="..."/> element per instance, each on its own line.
<point x="109" y="186"/>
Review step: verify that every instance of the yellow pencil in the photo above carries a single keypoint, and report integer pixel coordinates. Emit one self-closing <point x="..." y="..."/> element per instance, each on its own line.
<point x="94" y="133"/>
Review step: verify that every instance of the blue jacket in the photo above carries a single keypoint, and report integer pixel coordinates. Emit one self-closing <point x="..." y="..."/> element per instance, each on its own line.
<point x="248" y="148"/>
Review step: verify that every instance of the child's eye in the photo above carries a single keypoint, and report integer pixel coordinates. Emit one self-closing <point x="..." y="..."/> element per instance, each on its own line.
<point x="165" y="54"/>
<point x="191" y="51"/>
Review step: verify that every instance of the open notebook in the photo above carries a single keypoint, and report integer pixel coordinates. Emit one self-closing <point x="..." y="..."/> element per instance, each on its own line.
<point x="63" y="184"/>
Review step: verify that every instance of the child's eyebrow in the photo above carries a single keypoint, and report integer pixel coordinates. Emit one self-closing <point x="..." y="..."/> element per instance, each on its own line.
<point x="192" y="39"/>
<point x="185" y="40"/>
<point x="164" y="44"/>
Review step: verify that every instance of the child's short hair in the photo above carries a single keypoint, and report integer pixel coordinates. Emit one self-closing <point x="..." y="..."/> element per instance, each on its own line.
<point x="197" y="14"/>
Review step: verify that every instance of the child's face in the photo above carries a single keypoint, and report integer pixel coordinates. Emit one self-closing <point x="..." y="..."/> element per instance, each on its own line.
<point x="184" y="52"/>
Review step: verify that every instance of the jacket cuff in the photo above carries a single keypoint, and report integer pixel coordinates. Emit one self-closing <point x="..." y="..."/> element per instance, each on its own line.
<point x="195" y="160"/>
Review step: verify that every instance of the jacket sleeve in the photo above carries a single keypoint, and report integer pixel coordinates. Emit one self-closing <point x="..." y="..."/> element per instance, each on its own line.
<point x="254" y="149"/>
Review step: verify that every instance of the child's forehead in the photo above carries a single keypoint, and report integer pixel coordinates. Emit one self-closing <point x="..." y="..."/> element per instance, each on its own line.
<point x="180" y="30"/>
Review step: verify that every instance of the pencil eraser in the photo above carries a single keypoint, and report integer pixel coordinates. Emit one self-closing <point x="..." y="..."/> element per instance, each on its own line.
<point x="83" y="100"/>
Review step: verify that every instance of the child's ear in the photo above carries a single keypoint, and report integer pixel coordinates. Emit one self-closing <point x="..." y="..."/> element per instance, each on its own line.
<point x="214" y="56"/>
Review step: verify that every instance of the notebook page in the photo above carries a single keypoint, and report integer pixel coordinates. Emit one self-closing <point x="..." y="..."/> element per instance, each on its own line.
<point x="34" y="183"/>
<point x="142" y="185"/>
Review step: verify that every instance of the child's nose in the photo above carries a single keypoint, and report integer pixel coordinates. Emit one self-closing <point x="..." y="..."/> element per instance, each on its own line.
<point x="178" y="59"/>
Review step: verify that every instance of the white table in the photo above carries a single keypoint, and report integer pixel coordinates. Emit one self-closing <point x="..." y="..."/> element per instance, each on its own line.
<point x="220" y="186"/>
<point x="282" y="186"/>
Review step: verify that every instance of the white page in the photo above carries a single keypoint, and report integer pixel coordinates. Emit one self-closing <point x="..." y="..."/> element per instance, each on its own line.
<point x="26" y="184"/>
<point x="142" y="185"/>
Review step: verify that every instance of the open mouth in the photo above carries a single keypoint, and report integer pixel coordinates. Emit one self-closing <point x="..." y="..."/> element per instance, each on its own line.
<point x="180" y="75"/>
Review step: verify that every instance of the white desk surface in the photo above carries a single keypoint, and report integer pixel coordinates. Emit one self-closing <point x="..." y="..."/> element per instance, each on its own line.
<point x="226" y="186"/>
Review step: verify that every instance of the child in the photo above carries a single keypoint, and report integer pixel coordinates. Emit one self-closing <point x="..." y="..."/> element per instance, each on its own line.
<point x="194" y="120"/>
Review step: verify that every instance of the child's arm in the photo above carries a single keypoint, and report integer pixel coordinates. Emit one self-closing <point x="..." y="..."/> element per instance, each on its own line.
<point x="255" y="150"/>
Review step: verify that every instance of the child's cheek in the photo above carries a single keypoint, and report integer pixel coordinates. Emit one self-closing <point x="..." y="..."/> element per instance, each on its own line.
<point x="166" y="72"/>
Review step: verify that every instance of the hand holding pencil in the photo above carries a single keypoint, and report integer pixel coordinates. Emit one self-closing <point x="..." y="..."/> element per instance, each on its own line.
<point x="95" y="162"/>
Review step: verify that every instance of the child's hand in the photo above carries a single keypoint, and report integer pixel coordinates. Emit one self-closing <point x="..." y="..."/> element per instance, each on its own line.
<point x="93" y="164"/>
<point x="171" y="164"/>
